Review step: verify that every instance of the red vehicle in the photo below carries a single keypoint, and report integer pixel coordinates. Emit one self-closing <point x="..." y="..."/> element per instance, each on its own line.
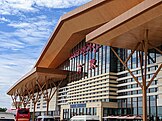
<point x="22" y="114"/>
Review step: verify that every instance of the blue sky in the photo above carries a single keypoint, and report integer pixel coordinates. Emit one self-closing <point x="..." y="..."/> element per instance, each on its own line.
<point x="25" y="26"/>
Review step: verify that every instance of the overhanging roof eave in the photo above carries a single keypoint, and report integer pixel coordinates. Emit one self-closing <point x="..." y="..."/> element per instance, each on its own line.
<point x="107" y="34"/>
<point x="35" y="73"/>
<point x="91" y="15"/>
<point x="20" y="80"/>
<point x="63" y="18"/>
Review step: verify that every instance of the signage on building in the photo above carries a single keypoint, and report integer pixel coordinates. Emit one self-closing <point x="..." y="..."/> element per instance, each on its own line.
<point x="88" y="47"/>
<point x="93" y="64"/>
<point x="78" y="105"/>
<point x="80" y="68"/>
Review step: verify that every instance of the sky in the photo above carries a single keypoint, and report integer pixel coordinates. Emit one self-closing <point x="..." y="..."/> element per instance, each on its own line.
<point x="25" y="27"/>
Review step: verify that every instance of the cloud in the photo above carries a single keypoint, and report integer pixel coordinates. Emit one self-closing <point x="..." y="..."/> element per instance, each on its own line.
<point x="8" y="42"/>
<point x="19" y="25"/>
<point x="28" y="32"/>
<point x="26" y="27"/>
<point x="13" y="66"/>
<point x="3" y="19"/>
<point x="15" y="6"/>
<point x="60" y="3"/>
<point x="20" y="48"/>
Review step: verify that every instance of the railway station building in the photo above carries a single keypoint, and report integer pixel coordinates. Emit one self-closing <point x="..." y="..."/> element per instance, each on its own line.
<point x="103" y="58"/>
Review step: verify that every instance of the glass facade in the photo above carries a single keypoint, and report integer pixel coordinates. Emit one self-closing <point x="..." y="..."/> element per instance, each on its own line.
<point x="90" y="60"/>
<point x="68" y="113"/>
<point x="132" y="103"/>
<point x="109" y="111"/>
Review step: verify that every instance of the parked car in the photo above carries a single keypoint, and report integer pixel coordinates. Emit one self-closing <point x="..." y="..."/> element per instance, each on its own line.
<point x="45" y="118"/>
<point x="85" y="118"/>
<point x="5" y="116"/>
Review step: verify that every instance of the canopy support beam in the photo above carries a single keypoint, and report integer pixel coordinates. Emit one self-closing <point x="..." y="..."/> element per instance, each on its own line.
<point x="35" y="97"/>
<point x="124" y="64"/>
<point x="14" y="97"/>
<point x="22" y="97"/>
<point x="49" y="92"/>
<point x="145" y="45"/>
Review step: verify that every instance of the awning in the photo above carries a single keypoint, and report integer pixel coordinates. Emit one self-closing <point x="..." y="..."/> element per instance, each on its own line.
<point x="131" y="117"/>
<point x="129" y="28"/>
<point x="41" y="74"/>
<point x="123" y="117"/>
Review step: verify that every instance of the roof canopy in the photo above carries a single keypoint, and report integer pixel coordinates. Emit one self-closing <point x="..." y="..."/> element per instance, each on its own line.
<point x="75" y="25"/>
<point x="40" y="74"/>
<point x="126" y="30"/>
<point x="70" y="30"/>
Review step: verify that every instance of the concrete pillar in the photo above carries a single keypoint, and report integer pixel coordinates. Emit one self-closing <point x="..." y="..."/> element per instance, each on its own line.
<point x="100" y="112"/>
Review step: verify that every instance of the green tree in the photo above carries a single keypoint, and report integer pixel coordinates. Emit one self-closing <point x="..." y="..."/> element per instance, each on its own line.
<point x="3" y="109"/>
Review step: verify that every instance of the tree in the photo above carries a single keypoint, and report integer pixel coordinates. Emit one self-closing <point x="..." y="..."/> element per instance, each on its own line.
<point x="3" y="109"/>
